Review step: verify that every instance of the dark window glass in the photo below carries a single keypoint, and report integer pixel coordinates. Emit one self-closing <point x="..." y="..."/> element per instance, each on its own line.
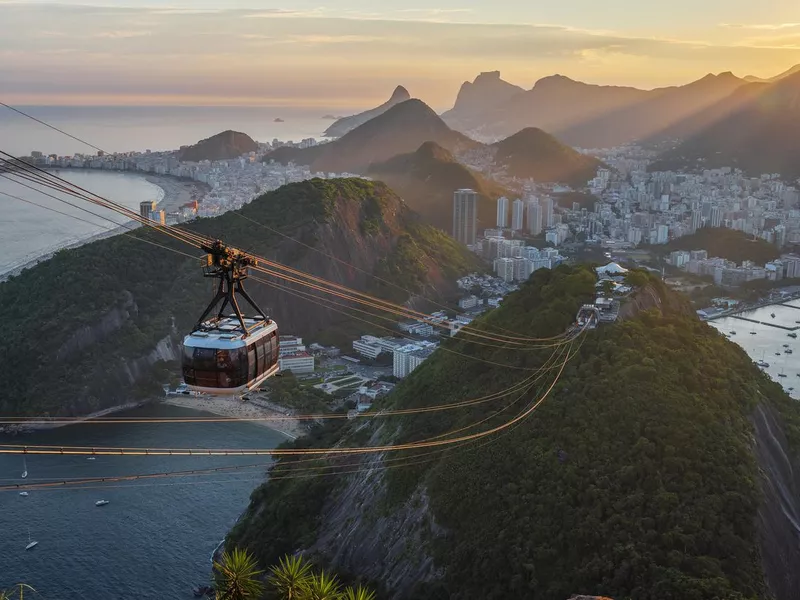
<point x="262" y="355"/>
<point x="251" y="362"/>
<point x="204" y="359"/>
<point x="275" y="348"/>
<point x="188" y="356"/>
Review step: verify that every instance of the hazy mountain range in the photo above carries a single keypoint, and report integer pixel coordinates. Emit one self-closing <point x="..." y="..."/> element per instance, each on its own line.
<point x="757" y="129"/>
<point x="346" y="124"/>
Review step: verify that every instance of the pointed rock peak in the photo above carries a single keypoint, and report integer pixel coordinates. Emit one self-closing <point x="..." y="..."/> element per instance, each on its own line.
<point x="400" y="94"/>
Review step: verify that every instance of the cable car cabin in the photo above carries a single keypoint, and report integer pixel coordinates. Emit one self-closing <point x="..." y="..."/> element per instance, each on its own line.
<point x="220" y="360"/>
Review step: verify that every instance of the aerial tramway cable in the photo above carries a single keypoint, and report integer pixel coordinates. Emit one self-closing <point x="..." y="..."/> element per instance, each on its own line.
<point x="133" y="451"/>
<point x="48" y="179"/>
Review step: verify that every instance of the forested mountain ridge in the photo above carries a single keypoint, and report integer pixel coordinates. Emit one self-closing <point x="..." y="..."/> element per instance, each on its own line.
<point x="223" y="146"/>
<point x="85" y="326"/>
<point x="645" y="473"/>
<point x="427" y="178"/>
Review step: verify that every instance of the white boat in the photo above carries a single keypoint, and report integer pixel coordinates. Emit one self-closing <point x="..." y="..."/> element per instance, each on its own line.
<point x="31" y="543"/>
<point x="91" y="458"/>
<point x="101" y="503"/>
<point x="23" y="493"/>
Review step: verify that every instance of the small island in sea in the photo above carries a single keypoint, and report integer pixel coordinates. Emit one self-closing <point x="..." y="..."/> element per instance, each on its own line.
<point x="278" y="120"/>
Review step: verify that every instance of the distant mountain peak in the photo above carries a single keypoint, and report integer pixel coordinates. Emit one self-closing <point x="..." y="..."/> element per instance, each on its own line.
<point x="222" y="146"/>
<point x="400" y="94"/>
<point x="555" y="79"/>
<point x="346" y="124"/>
<point x="488" y="75"/>
<point x="401" y="129"/>
<point x="487" y="92"/>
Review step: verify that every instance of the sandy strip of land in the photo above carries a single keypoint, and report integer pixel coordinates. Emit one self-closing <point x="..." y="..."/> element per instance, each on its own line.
<point x="177" y="192"/>
<point x="230" y="407"/>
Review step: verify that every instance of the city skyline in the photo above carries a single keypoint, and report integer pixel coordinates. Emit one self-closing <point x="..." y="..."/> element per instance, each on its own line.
<point x="351" y="53"/>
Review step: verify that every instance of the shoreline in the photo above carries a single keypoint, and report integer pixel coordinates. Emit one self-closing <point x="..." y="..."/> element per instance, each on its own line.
<point x="16" y="429"/>
<point x="175" y="193"/>
<point x="227" y="407"/>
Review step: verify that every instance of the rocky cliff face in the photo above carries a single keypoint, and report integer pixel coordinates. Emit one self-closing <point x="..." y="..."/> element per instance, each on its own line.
<point x="89" y="335"/>
<point x="779" y="510"/>
<point x="391" y="547"/>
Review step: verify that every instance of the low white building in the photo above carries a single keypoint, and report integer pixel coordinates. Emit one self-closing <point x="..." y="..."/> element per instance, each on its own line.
<point x="368" y="346"/>
<point x="296" y="362"/>
<point x="289" y="344"/>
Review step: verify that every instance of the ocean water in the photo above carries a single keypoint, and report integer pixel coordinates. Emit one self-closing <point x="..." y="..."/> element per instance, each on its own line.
<point x="155" y="538"/>
<point x="30" y="231"/>
<point x="126" y="128"/>
<point x="769" y="340"/>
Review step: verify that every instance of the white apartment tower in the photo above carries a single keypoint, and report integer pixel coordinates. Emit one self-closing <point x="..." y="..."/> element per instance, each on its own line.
<point x="534" y="217"/>
<point x="716" y="217"/>
<point x="502" y="212"/>
<point x="547" y="212"/>
<point x="518" y="212"/>
<point x="465" y="209"/>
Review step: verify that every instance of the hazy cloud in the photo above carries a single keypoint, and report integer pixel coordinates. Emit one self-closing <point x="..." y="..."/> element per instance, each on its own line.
<point x="120" y="34"/>
<point x="767" y="26"/>
<point x="311" y="54"/>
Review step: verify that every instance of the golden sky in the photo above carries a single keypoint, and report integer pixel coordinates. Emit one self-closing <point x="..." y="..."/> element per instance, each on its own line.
<point x="351" y="53"/>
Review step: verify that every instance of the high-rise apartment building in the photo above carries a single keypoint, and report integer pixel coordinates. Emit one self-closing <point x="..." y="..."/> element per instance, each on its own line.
<point x="517" y="214"/>
<point x="697" y="220"/>
<point x="502" y="212"/>
<point x="465" y="209"/>
<point x="547" y="212"/>
<point x="534" y="217"/>
<point x="716" y="217"/>
<point x="662" y="234"/>
<point x="147" y="208"/>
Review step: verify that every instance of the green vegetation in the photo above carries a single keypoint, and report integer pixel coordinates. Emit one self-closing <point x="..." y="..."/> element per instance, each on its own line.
<point x="287" y="391"/>
<point x="726" y="243"/>
<point x="295" y="579"/>
<point x="236" y="576"/>
<point x="634" y="479"/>
<point x="17" y="592"/>
<point x="81" y="326"/>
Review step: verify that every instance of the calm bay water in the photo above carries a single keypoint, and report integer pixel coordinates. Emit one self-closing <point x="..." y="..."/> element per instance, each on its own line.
<point x="30" y="231"/>
<point x="155" y="538"/>
<point x="127" y="128"/>
<point x="769" y="340"/>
